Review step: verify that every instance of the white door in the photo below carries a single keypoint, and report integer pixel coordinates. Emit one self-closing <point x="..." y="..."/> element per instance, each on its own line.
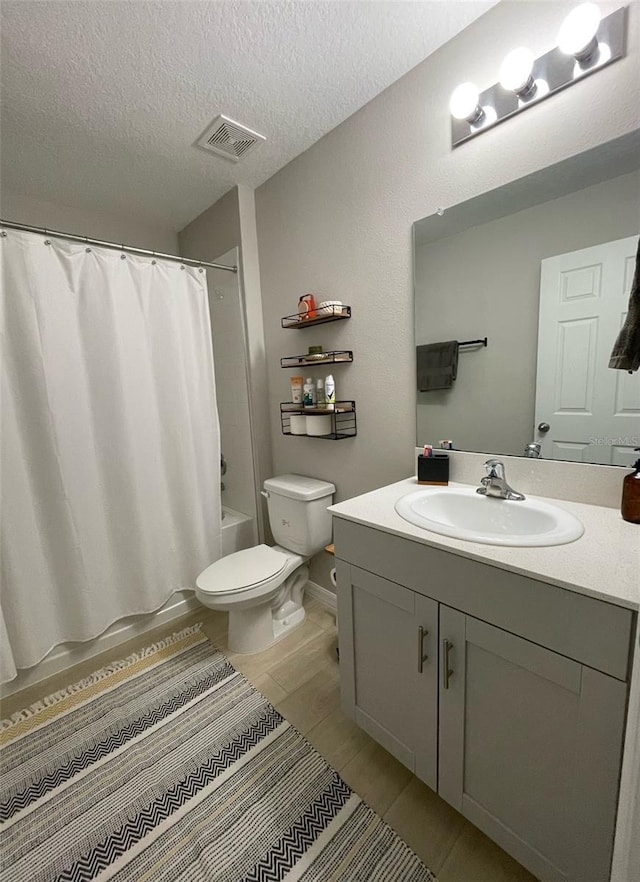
<point x="593" y="412"/>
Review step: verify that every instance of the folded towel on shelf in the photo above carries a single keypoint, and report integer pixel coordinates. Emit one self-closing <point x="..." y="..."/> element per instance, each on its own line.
<point x="437" y="365"/>
<point x="625" y="355"/>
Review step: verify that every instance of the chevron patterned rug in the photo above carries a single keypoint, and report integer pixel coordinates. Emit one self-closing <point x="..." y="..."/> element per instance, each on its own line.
<point x="170" y="766"/>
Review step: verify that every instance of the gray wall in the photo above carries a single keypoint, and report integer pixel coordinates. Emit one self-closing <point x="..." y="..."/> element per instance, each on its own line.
<point x="486" y="282"/>
<point x="232" y="391"/>
<point x="238" y="341"/>
<point x="215" y="231"/>
<point x="337" y="221"/>
<point x="215" y="235"/>
<point x="87" y="222"/>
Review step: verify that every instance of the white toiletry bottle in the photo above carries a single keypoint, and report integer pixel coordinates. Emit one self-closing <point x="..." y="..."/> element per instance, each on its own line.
<point x="309" y="393"/>
<point x="330" y="392"/>
<point x="320" y="398"/>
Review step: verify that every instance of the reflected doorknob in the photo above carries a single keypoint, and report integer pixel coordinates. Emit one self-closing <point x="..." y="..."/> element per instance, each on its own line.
<point x="543" y="427"/>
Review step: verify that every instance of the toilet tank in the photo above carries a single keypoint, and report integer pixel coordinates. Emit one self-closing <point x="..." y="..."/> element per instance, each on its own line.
<point x="298" y="512"/>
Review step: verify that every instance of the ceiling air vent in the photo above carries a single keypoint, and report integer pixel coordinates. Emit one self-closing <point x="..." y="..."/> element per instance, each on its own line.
<point x="228" y="138"/>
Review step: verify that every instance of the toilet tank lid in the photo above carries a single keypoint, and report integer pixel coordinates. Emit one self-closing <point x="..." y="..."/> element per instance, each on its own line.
<point x="299" y="487"/>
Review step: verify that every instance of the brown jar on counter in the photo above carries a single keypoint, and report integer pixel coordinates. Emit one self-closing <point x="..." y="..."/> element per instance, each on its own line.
<point x="630" y="507"/>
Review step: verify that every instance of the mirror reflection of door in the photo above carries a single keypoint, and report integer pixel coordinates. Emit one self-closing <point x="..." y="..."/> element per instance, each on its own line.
<point x="593" y="413"/>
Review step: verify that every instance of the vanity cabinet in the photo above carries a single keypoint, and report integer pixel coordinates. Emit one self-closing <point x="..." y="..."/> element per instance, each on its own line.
<point x="516" y="719"/>
<point x="390" y="673"/>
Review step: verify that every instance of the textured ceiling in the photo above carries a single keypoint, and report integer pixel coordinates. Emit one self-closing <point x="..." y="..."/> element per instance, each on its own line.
<point x="103" y="101"/>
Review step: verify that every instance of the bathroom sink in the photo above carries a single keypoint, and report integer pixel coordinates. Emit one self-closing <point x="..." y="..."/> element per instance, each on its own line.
<point x="461" y="513"/>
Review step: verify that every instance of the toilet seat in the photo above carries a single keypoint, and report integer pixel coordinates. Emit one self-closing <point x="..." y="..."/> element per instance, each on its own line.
<point x="242" y="570"/>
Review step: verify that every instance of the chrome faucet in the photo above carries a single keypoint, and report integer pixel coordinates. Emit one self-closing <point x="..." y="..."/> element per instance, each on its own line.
<point x="495" y="484"/>
<point x="533" y="449"/>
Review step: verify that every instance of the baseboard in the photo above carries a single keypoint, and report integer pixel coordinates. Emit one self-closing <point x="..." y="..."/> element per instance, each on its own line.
<point x="322" y="595"/>
<point x="66" y="656"/>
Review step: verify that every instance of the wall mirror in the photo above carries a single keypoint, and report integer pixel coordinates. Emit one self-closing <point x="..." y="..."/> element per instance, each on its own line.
<point x="542" y="269"/>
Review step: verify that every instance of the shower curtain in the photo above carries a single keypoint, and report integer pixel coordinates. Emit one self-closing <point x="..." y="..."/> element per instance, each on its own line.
<point x="110" y="444"/>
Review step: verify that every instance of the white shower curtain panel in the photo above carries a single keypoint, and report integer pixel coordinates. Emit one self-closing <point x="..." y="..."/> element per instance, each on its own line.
<point x="110" y="450"/>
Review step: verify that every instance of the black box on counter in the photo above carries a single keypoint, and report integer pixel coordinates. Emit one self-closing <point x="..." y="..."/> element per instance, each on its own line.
<point x="433" y="469"/>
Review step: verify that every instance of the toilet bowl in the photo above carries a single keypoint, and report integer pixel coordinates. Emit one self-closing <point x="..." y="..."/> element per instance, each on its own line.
<point x="262" y="588"/>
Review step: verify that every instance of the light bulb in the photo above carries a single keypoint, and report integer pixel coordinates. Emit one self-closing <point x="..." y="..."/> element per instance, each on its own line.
<point x="516" y="70"/>
<point x="464" y="103"/>
<point x="577" y="36"/>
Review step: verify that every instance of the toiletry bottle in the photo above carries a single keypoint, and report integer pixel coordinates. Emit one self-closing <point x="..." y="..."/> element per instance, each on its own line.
<point x="296" y="390"/>
<point x="309" y="393"/>
<point x="630" y="507"/>
<point x="330" y="392"/>
<point x="320" y="396"/>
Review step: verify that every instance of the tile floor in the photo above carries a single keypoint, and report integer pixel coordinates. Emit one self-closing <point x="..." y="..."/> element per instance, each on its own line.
<point x="300" y="676"/>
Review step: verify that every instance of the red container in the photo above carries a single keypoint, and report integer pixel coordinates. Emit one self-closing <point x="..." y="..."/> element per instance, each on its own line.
<point x="307" y="306"/>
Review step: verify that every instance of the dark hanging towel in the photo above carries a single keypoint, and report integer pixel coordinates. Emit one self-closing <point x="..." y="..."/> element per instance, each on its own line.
<point x="625" y="355"/>
<point x="437" y="365"/>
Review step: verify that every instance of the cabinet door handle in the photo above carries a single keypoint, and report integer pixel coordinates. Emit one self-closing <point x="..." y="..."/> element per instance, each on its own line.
<point x="422" y="656"/>
<point x="447" y="672"/>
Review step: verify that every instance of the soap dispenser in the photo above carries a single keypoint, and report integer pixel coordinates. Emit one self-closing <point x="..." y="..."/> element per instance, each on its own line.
<point x="630" y="507"/>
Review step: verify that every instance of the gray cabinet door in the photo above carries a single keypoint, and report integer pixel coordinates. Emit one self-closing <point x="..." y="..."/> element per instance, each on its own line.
<point x="530" y="748"/>
<point x="389" y="666"/>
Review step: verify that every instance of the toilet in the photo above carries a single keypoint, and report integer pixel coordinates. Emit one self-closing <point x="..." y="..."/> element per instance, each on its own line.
<point x="262" y="587"/>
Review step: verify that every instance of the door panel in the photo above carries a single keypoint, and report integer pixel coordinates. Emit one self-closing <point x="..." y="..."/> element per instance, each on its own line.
<point x="593" y="411"/>
<point x="530" y="747"/>
<point x="392" y="694"/>
<point x="452" y="705"/>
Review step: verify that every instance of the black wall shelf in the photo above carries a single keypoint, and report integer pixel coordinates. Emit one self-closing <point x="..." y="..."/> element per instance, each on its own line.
<point x="340" y="356"/>
<point x="328" y="314"/>
<point x="343" y="419"/>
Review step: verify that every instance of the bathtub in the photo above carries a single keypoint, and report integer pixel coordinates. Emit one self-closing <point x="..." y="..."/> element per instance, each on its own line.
<point x="238" y="531"/>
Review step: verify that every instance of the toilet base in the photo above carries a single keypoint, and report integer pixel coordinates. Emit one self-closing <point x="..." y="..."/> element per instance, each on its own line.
<point x="258" y="619"/>
<point x="255" y="628"/>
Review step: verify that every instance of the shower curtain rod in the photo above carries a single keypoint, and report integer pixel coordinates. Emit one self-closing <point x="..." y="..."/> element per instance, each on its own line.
<point x="115" y="246"/>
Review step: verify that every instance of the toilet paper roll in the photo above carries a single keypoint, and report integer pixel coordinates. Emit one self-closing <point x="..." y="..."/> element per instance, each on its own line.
<point x="319" y="425"/>
<point x="298" y="423"/>
<point x="332" y="576"/>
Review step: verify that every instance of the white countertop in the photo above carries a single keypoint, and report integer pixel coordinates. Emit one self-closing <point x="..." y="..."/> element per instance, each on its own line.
<point x="604" y="563"/>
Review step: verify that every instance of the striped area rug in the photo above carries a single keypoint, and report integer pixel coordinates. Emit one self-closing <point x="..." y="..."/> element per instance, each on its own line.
<point x="169" y="765"/>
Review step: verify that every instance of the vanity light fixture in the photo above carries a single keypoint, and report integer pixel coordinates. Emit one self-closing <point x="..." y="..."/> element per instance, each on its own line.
<point x="586" y="43"/>
<point x="578" y="34"/>
<point x="516" y="73"/>
<point x="464" y="103"/>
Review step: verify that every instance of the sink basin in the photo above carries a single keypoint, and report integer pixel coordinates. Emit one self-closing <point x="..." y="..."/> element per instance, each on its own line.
<point x="461" y="513"/>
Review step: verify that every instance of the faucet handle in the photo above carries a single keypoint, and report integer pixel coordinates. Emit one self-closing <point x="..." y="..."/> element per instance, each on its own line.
<point x="495" y="468"/>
